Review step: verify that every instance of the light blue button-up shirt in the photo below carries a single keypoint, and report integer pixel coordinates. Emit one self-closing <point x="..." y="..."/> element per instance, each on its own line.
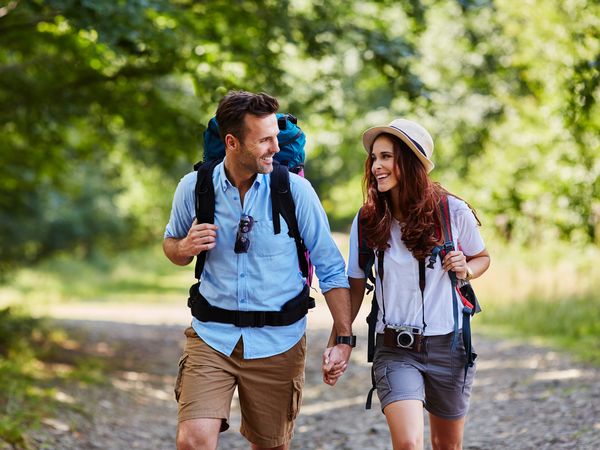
<point x="266" y="277"/>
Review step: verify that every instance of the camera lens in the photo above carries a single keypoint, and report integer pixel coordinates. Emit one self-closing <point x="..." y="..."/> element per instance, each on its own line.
<point x="405" y="339"/>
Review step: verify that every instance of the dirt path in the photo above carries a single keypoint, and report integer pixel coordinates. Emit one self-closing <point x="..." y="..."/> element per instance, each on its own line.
<point x="525" y="397"/>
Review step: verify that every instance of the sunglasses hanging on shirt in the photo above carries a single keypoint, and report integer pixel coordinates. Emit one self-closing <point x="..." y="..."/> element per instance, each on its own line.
<point x="242" y="241"/>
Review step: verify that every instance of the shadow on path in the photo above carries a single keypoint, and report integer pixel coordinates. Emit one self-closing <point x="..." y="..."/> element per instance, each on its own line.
<point x="525" y="397"/>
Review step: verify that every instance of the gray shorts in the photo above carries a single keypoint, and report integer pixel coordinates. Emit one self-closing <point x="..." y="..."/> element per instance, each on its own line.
<point x="435" y="376"/>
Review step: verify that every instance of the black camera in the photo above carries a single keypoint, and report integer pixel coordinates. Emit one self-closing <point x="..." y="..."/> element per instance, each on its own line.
<point x="403" y="336"/>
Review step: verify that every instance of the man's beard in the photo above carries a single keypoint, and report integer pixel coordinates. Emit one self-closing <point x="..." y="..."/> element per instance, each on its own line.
<point x="255" y="163"/>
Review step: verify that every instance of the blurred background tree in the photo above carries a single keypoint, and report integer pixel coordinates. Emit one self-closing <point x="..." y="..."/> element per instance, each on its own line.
<point x="103" y="104"/>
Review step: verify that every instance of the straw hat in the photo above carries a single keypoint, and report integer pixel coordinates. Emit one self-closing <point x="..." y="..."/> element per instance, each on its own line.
<point x="411" y="133"/>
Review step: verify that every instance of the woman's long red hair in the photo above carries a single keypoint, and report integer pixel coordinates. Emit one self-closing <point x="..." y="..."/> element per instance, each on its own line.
<point x="419" y="204"/>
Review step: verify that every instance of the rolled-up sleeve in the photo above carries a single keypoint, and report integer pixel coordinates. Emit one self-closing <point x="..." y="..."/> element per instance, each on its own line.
<point x="183" y="209"/>
<point x="314" y="229"/>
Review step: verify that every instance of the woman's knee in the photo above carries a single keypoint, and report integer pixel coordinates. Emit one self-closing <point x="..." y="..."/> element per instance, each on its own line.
<point x="446" y="434"/>
<point x="407" y="443"/>
<point x="438" y="443"/>
<point x="405" y="421"/>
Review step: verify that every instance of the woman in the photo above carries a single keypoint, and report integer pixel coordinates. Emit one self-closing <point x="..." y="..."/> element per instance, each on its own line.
<point x="418" y="362"/>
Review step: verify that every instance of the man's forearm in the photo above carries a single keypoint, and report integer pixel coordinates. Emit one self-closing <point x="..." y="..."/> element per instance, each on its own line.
<point x="172" y="249"/>
<point x="338" y="301"/>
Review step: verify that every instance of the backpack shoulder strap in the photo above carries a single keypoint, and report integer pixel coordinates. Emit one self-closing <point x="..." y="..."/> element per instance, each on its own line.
<point x="366" y="255"/>
<point x="468" y="308"/>
<point x="366" y="260"/>
<point x="282" y="203"/>
<point x="204" y="196"/>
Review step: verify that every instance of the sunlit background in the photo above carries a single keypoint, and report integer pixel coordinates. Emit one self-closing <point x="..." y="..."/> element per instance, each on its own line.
<point x="103" y="104"/>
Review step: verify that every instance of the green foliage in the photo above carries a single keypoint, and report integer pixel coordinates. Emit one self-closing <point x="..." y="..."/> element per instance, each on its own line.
<point x="17" y="396"/>
<point x="14" y="331"/>
<point x="28" y="385"/>
<point x="515" y="95"/>
<point x="136" y="275"/>
<point x="546" y="294"/>
<point x="102" y="105"/>
<point x="570" y="323"/>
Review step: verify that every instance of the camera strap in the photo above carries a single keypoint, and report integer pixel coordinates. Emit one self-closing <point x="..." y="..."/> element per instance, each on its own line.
<point x="380" y="254"/>
<point x="422" y="289"/>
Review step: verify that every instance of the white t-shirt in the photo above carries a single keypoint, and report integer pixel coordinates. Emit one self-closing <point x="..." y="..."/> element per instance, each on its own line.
<point x="402" y="296"/>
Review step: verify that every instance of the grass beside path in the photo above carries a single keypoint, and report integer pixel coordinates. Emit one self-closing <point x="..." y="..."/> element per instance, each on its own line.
<point x="136" y="276"/>
<point x="37" y="362"/>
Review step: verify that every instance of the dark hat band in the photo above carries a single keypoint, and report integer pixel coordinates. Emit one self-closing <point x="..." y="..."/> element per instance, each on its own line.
<point x="411" y="140"/>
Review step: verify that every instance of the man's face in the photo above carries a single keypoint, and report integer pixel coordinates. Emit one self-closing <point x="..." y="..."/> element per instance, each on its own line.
<point x="259" y="143"/>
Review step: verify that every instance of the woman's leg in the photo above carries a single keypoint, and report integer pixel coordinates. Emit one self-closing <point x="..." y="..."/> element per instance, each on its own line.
<point x="405" y="420"/>
<point x="446" y="434"/>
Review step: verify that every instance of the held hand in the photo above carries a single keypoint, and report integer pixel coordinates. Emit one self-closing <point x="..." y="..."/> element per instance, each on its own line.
<point x="457" y="262"/>
<point x="335" y="362"/>
<point x="201" y="237"/>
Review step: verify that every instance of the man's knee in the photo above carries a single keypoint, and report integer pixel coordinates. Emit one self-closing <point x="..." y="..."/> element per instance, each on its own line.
<point x="197" y="435"/>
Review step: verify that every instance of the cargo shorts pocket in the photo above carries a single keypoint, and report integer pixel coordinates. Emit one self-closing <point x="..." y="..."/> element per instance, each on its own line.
<point x="380" y="373"/>
<point x="297" y="386"/>
<point x="178" y="380"/>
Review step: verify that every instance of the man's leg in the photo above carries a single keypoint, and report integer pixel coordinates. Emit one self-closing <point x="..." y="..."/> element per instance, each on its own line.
<point x="280" y="447"/>
<point x="270" y="391"/>
<point x="198" y="434"/>
<point x="204" y="390"/>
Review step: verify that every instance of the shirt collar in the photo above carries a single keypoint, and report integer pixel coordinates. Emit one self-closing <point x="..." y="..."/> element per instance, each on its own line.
<point x="226" y="184"/>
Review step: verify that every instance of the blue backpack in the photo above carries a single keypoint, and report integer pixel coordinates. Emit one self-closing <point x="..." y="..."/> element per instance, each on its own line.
<point x="291" y="143"/>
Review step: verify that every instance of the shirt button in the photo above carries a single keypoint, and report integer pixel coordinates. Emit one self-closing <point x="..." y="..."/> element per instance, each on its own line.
<point x="243" y="275"/>
<point x="243" y="300"/>
<point x="235" y="198"/>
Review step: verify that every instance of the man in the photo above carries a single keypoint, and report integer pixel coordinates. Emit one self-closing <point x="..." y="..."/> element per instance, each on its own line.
<point x="249" y="268"/>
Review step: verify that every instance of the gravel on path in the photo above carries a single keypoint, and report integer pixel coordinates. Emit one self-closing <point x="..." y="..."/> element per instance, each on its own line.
<point x="525" y="397"/>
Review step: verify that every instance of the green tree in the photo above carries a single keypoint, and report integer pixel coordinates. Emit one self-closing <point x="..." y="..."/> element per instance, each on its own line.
<point x="102" y="105"/>
<point x="94" y="93"/>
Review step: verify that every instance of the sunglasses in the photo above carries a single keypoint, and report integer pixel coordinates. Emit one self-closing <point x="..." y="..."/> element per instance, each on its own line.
<point x="242" y="241"/>
<point x="283" y="120"/>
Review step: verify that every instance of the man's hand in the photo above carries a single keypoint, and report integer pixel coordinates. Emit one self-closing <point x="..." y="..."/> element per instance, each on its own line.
<point x="201" y="237"/>
<point x="335" y="362"/>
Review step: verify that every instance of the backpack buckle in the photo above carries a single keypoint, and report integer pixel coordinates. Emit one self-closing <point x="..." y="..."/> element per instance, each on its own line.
<point x="434" y="254"/>
<point x="447" y="248"/>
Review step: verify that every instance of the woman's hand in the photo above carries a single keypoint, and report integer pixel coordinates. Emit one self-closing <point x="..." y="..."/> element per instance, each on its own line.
<point x="332" y="371"/>
<point x="456" y="261"/>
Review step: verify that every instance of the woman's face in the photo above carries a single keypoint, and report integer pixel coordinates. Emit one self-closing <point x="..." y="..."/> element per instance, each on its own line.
<point x="384" y="164"/>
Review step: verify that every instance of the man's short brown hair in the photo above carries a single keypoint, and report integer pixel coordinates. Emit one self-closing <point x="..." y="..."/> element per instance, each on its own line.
<point x="234" y="107"/>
